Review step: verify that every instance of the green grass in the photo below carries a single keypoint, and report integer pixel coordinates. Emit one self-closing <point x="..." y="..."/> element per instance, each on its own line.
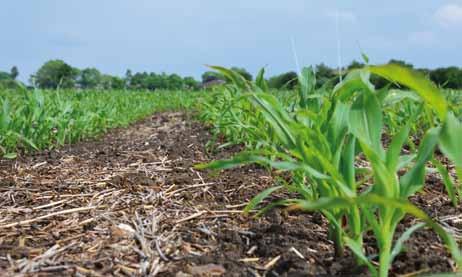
<point x="35" y="120"/>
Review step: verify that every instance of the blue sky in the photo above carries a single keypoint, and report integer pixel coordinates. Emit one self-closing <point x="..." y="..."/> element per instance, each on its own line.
<point x="182" y="35"/>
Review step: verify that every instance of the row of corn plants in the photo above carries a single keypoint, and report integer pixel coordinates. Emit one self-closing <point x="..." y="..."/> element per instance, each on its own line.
<point x="33" y="120"/>
<point x="319" y="134"/>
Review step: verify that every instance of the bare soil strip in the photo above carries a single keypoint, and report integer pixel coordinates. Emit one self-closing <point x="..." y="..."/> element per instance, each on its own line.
<point x="131" y="204"/>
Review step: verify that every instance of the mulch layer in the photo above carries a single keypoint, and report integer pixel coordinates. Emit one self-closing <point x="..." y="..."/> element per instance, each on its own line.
<point x="131" y="204"/>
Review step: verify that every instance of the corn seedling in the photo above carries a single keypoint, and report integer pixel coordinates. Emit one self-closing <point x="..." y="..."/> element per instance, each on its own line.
<point x="33" y="120"/>
<point x="320" y="136"/>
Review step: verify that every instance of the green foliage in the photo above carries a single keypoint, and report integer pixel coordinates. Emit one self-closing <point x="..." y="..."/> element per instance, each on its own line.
<point x="153" y="81"/>
<point x="4" y="76"/>
<point x="210" y="76"/>
<point x="318" y="134"/>
<point x="56" y="74"/>
<point x="7" y="80"/>
<point x="283" y="81"/>
<point x="449" y="77"/>
<point x="46" y="119"/>
<point x="14" y="72"/>
<point x="89" y="78"/>
<point x="324" y="74"/>
<point x="243" y="72"/>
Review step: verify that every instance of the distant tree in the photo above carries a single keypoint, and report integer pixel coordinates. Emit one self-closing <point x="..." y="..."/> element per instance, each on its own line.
<point x="4" y="76"/>
<point x="128" y="78"/>
<point x="209" y="76"/>
<point x="323" y="74"/>
<point x="355" y="65"/>
<point x="89" y="78"/>
<point x="286" y="80"/>
<point x="243" y="72"/>
<point x="7" y="82"/>
<point x="448" y="77"/>
<point x="174" y="82"/>
<point x="14" y="72"/>
<point x="425" y="71"/>
<point x="117" y="83"/>
<point x="56" y="73"/>
<point x="109" y="82"/>
<point x="401" y="62"/>
<point x="190" y="83"/>
<point x="138" y="81"/>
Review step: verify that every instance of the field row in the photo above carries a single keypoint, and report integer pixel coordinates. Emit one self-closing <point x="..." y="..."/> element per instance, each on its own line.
<point x="46" y="119"/>
<point x="354" y="153"/>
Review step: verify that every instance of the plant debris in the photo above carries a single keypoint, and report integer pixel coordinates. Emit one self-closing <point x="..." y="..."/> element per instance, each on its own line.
<point x="131" y="204"/>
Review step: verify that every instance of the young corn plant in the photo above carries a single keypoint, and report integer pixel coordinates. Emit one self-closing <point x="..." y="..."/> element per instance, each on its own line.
<point x="320" y="138"/>
<point x="385" y="203"/>
<point x="33" y="120"/>
<point x="308" y="138"/>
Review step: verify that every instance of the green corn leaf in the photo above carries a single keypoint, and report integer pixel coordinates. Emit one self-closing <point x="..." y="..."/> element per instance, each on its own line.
<point x="356" y="81"/>
<point x="447" y="181"/>
<point x="394" y="96"/>
<point x="10" y="156"/>
<point x="356" y="248"/>
<point x="260" y="80"/>
<point x="348" y="164"/>
<point x="272" y="205"/>
<point x="365" y="121"/>
<point x="365" y="57"/>
<point x="403" y="238"/>
<point x="248" y="158"/>
<point x="374" y="199"/>
<point x="307" y="82"/>
<point x="276" y="116"/>
<point x="27" y="141"/>
<point x="405" y="160"/>
<point x="5" y="117"/>
<point x="386" y="181"/>
<point x="394" y="150"/>
<point x="414" y="179"/>
<point x="415" y="81"/>
<point x="338" y="124"/>
<point x="233" y="76"/>
<point x="327" y="203"/>
<point x="259" y="198"/>
<point x="413" y="210"/>
<point x="450" y="142"/>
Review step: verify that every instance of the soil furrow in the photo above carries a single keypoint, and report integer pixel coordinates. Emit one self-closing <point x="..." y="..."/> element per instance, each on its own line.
<point x="130" y="203"/>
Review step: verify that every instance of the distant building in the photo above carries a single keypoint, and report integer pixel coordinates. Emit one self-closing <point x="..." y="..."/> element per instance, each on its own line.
<point x="212" y="83"/>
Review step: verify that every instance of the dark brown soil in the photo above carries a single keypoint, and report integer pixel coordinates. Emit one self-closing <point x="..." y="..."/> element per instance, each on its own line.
<point x="131" y="204"/>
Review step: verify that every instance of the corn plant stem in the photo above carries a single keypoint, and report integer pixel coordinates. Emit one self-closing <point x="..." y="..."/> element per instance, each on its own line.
<point x="335" y="234"/>
<point x="385" y="255"/>
<point x="356" y="228"/>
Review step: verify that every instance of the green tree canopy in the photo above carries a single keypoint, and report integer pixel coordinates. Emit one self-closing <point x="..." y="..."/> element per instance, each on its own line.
<point x="286" y="80"/>
<point x="4" y="76"/>
<point x="323" y="74"/>
<point x="209" y="76"/>
<point x="14" y="72"/>
<point x="56" y="74"/>
<point x="190" y="83"/>
<point x="89" y="78"/>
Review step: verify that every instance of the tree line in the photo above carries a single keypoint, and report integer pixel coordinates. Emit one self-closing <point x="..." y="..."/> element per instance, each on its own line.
<point x="444" y="77"/>
<point x="58" y="74"/>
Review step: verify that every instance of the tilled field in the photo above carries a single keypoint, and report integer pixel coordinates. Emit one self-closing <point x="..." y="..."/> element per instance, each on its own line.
<point x="131" y="204"/>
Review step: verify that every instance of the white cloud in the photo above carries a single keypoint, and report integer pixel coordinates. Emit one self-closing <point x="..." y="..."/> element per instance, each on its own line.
<point x="422" y="38"/>
<point x="345" y="16"/>
<point x="449" y="15"/>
